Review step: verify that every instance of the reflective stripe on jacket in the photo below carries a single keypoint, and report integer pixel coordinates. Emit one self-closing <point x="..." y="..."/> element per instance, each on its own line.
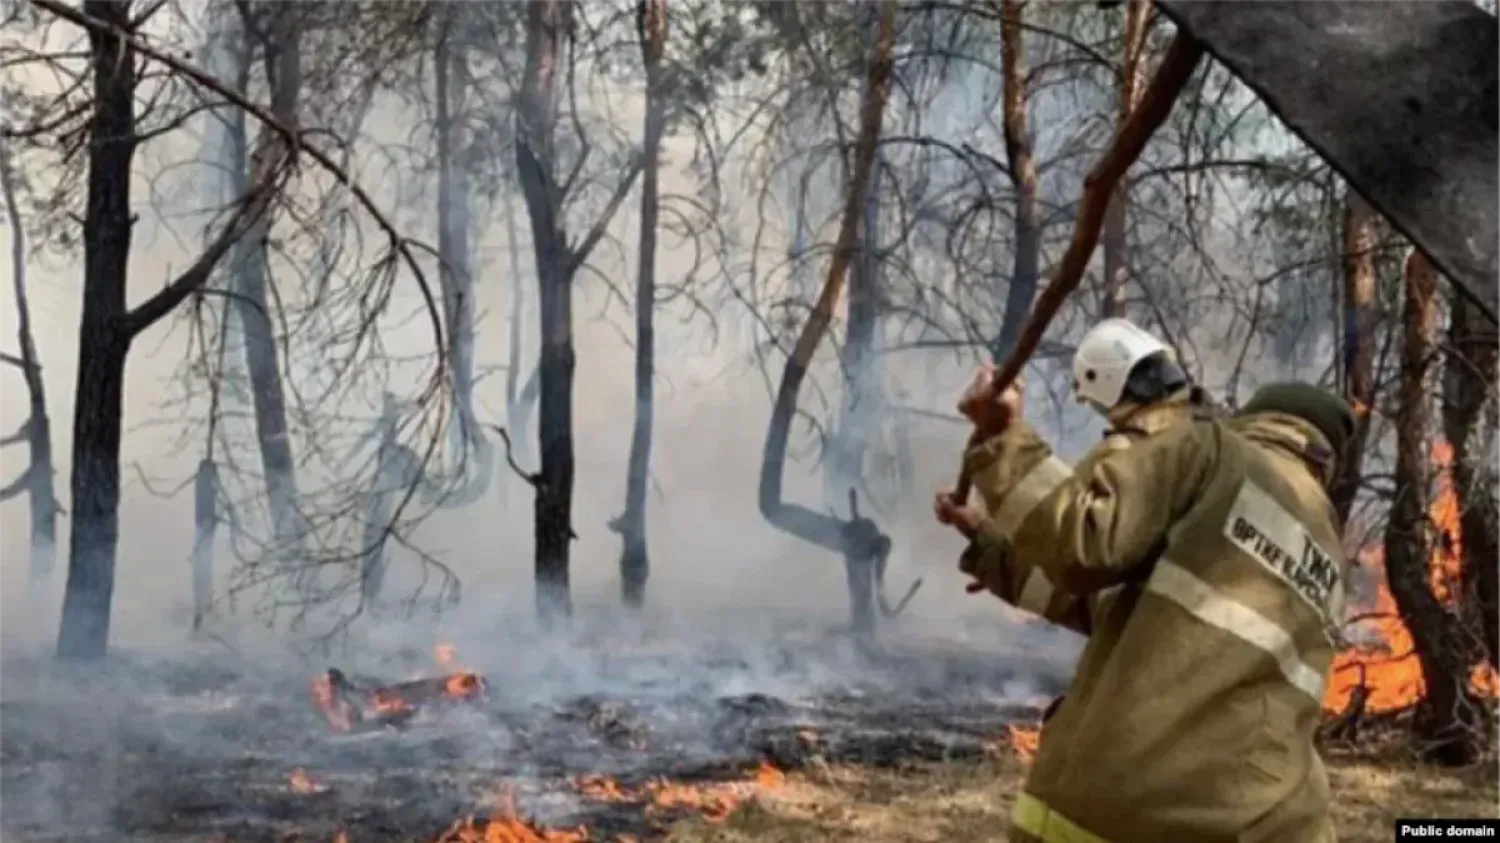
<point x="1192" y="711"/>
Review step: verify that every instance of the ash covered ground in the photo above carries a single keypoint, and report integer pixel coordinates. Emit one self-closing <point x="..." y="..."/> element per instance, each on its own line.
<point x="206" y="747"/>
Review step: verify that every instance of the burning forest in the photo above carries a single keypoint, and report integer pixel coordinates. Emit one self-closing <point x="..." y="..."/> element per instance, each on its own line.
<point x="497" y="423"/>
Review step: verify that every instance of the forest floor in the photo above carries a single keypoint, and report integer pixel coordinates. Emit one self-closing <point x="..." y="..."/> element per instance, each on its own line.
<point x="971" y="801"/>
<point x="640" y="747"/>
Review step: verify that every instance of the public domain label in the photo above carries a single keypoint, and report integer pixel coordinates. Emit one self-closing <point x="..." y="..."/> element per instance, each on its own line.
<point x="1448" y="829"/>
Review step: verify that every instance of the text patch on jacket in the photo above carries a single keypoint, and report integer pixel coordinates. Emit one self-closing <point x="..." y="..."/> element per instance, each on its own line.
<point x="1275" y="537"/>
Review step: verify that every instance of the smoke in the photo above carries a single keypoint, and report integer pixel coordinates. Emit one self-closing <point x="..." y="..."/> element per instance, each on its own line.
<point x="714" y="556"/>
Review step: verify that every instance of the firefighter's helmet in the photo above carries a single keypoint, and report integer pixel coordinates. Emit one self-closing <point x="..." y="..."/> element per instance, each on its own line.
<point x="1105" y="358"/>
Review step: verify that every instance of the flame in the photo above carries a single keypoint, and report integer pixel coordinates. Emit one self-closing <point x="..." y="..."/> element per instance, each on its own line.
<point x="601" y="788"/>
<point x="768" y="777"/>
<point x="341" y="837"/>
<point x="300" y="782"/>
<point x="1389" y="668"/>
<point x="714" y="801"/>
<point x="463" y="686"/>
<point x="1025" y="740"/>
<point x="344" y="706"/>
<point x="446" y="655"/>
<point x="506" y="826"/>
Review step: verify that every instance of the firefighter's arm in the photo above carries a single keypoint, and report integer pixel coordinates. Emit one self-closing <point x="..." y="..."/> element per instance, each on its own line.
<point x="1008" y="469"/>
<point x="1094" y="529"/>
<point x="998" y="570"/>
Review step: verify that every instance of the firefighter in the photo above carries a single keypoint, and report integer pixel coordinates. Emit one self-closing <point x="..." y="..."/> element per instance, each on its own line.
<point x="1133" y="380"/>
<point x="1192" y="711"/>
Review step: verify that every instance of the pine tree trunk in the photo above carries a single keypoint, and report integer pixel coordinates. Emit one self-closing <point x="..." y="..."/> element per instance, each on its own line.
<point x="1112" y="238"/>
<point x="635" y="564"/>
<point x="547" y="22"/>
<point x="103" y="343"/>
<point x="1469" y="424"/>
<point x="1026" y="268"/>
<point x="1360" y="322"/>
<point x="1449" y="721"/>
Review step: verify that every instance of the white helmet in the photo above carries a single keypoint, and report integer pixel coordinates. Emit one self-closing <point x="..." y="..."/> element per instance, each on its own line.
<point x="1105" y="356"/>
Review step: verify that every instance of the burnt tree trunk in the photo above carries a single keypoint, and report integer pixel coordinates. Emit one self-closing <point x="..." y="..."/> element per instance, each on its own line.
<point x="103" y="341"/>
<point x="859" y="413"/>
<point x="1360" y="323"/>
<point x="1449" y="717"/>
<point x="548" y="23"/>
<point x="1026" y="268"/>
<point x="453" y="216"/>
<point x="473" y="455"/>
<point x="515" y="411"/>
<point x="635" y="565"/>
<point x="807" y="524"/>
<point x="107" y="328"/>
<point x="1112" y="238"/>
<point x="1470" y="376"/>
<point x="37" y="481"/>
<point x="281" y="56"/>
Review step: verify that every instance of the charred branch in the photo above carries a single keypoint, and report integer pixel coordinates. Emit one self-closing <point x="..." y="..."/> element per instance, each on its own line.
<point x="348" y="706"/>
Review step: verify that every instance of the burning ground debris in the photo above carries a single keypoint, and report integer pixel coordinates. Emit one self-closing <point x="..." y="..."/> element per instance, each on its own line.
<point x="300" y="782"/>
<point x="1023" y="740"/>
<point x="660" y="796"/>
<point x="504" y="825"/>
<point x="509" y="756"/>
<point x="348" y="707"/>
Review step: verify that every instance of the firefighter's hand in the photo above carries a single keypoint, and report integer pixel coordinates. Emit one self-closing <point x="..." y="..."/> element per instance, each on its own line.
<point x="990" y="412"/>
<point x="949" y="511"/>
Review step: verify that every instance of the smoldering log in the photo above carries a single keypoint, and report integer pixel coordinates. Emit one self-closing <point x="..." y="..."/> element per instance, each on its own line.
<point x="349" y="706"/>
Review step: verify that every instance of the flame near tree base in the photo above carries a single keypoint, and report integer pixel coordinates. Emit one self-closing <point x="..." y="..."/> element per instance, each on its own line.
<point x="1384" y="659"/>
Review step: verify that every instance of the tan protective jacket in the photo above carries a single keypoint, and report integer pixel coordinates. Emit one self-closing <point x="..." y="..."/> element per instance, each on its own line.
<point x="1192" y="711"/>
<point x="1017" y="581"/>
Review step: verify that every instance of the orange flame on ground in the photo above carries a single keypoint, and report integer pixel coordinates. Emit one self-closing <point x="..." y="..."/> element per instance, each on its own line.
<point x="1025" y="740"/>
<point x="1391" y="671"/>
<point x="505" y="825"/>
<point x="714" y="801"/>
<point x="300" y="782"/>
